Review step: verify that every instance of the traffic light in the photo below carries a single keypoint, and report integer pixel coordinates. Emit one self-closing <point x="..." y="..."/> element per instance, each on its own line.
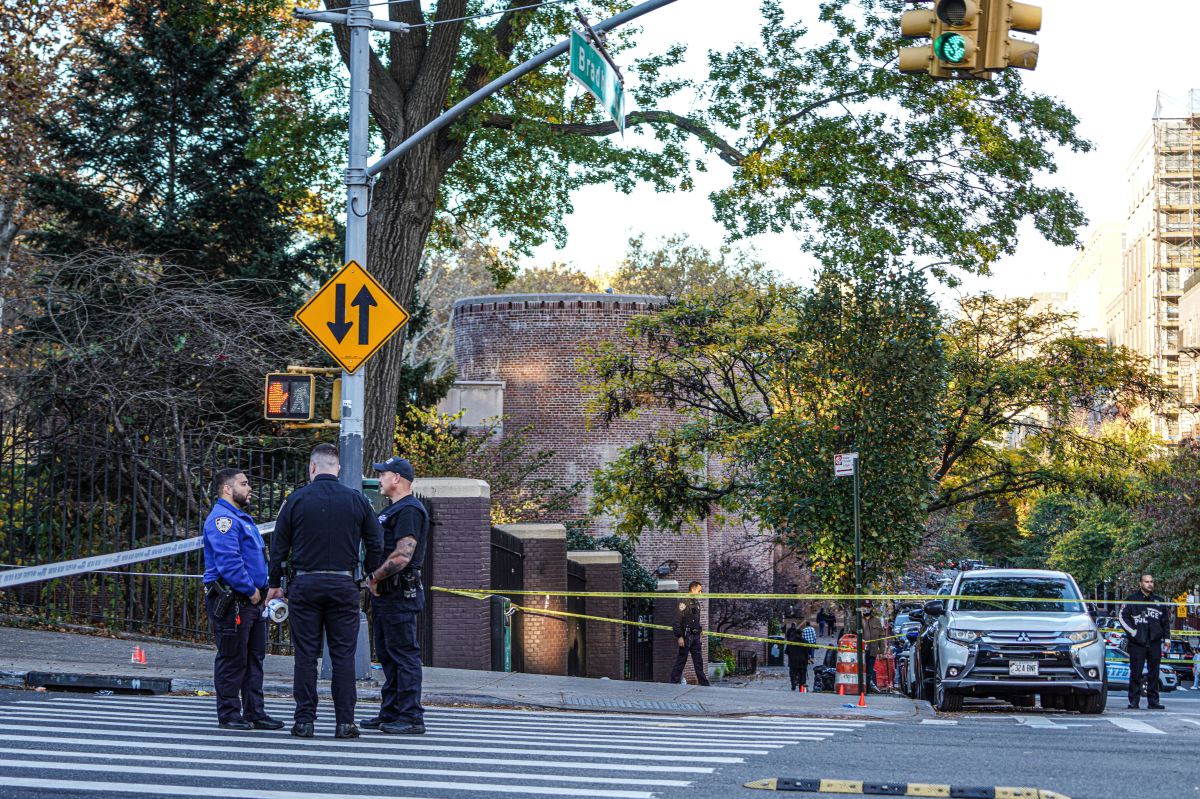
<point x="954" y="28"/>
<point x="1000" y="50"/>
<point x="288" y="397"/>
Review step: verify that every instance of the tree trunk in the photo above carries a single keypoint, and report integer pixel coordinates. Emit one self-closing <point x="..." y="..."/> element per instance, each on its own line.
<point x="402" y="212"/>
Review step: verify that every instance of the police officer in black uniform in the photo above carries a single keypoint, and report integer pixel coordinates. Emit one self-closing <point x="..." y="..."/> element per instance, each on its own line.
<point x="318" y="532"/>
<point x="688" y="630"/>
<point x="235" y="580"/>
<point x="397" y="596"/>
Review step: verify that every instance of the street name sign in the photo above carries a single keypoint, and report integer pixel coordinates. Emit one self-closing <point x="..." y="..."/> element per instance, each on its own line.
<point x="595" y="74"/>
<point x="843" y="464"/>
<point x="352" y="316"/>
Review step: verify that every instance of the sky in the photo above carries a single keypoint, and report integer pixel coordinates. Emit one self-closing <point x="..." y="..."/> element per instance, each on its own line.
<point x="1104" y="59"/>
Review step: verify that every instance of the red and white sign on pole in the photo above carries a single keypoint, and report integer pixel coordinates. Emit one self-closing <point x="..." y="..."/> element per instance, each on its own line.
<point x="843" y="464"/>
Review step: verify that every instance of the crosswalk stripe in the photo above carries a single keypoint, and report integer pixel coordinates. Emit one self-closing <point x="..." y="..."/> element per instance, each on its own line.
<point x="408" y="769"/>
<point x="210" y="728"/>
<point x="92" y="786"/>
<point x="339" y="752"/>
<point x="447" y="726"/>
<point x="721" y="725"/>
<point x="318" y="779"/>
<point x="1133" y="725"/>
<point x="419" y="747"/>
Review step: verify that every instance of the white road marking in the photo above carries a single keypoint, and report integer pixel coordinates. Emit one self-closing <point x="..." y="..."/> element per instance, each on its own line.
<point x="945" y="722"/>
<point x="203" y="762"/>
<point x="1133" y="725"/>
<point x="318" y="779"/>
<point x="118" y="788"/>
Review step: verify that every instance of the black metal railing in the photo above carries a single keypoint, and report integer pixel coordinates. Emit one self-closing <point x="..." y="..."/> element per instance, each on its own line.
<point x="639" y="641"/>
<point x="576" y="628"/>
<point x="508" y="574"/>
<point x="72" y="491"/>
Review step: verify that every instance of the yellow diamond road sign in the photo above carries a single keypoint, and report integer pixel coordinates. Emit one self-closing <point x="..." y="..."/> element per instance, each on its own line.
<point x="352" y="316"/>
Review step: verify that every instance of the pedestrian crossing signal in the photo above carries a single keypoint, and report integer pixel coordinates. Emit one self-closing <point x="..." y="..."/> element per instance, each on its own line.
<point x="288" y="397"/>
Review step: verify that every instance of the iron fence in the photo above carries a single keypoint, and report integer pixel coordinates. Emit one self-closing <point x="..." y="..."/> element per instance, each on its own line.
<point x="639" y="641"/>
<point x="576" y="628"/>
<point x="508" y="574"/>
<point x="72" y="491"/>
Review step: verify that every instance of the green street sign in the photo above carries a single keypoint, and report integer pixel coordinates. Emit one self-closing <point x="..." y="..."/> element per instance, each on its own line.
<point x="596" y="75"/>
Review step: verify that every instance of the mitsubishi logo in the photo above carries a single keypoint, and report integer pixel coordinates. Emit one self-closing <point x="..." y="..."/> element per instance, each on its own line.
<point x="1022" y="638"/>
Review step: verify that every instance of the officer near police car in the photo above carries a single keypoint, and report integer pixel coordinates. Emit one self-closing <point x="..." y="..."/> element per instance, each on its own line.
<point x="235" y="584"/>
<point x="397" y="596"/>
<point x="319" y="532"/>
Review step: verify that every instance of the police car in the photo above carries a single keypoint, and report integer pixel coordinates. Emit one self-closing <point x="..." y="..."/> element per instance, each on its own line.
<point x="1116" y="661"/>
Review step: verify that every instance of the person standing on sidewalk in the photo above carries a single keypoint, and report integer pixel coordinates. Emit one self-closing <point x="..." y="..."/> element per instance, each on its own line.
<point x="799" y="654"/>
<point x="319" y="531"/>
<point x="687" y="630"/>
<point x="1147" y="621"/>
<point x="873" y="641"/>
<point x="397" y="596"/>
<point x="235" y="580"/>
<point x="1196" y="667"/>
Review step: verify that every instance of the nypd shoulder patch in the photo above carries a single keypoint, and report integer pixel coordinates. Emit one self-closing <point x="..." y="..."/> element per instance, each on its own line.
<point x="223" y="524"/>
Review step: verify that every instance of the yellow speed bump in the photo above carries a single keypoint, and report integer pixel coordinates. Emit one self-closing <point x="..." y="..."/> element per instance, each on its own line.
<point x="861" y="788"/>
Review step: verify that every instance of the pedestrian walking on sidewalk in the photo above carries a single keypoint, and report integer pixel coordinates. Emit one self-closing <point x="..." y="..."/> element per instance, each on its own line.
<point x="235" y="582"/>
<point x="1147" y="621"/>
<point x="1196" y="668"/>
<point x="822" y="620"/>
<point x="319" y="532"/>
<point x="688" y="631"/>
<point x="397" y="596"/>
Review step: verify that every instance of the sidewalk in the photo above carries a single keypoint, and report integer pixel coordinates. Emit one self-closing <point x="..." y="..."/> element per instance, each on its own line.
<point x="187" y="668"/>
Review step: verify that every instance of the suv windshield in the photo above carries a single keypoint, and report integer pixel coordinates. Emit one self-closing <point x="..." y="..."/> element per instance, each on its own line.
<point x="1018" y="594"/>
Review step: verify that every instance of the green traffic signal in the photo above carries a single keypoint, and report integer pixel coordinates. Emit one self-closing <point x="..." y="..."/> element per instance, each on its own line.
<point x="953" y="48"/>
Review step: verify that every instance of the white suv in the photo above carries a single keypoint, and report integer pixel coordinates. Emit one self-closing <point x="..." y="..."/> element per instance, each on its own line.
<point x="1011" y="634"/>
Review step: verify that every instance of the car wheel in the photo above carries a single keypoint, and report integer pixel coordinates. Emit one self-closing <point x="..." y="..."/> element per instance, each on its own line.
<point x="945" y="700"/>
<point x="1024" y="700"/>
<point x="1094" y="704"/>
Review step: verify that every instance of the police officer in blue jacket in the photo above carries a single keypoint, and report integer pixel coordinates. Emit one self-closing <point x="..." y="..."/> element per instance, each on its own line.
<point x="235" y="582"/>
<point x="397" y="596"/>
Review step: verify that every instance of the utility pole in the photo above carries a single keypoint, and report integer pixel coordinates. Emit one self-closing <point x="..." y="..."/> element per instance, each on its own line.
<point x="862" y="675"/>
<point x="360" y="177"/>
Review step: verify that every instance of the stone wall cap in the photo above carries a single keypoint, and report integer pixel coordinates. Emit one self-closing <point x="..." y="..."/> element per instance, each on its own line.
<point x="458" y="383"/>
<point x="530" y="532"/>
<point x="586" y="556"/>
<point x="601" y="298"/>
<point x="451" y="488"/>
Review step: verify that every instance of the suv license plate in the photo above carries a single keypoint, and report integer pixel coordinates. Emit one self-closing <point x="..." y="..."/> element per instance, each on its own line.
<point x="1023" y="668"/>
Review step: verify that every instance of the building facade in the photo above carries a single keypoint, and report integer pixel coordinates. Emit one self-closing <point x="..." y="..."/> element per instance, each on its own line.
<point x="1162" y="249"/>
<point x="1094" y="280"/>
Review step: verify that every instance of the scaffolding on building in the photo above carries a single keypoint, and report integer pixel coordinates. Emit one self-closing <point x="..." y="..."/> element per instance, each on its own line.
<point x="1176" y="188"/>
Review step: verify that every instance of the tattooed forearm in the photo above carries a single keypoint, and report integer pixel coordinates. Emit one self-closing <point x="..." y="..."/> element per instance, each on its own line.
<point x="399" y="558"/>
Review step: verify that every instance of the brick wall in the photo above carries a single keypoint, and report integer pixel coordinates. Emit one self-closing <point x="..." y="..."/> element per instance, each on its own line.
<point x="544" y="637"/>
<point x="604" y="649"/>
<point x="460" y="518"/>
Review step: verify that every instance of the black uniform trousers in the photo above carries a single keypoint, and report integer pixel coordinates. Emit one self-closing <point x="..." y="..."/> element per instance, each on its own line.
<point x="1149" y="658"/>
<point x="399" y="653"/>
<point x="691" y="646"/>
<point x="323" y="607"/>
<point x="241" y="639"/>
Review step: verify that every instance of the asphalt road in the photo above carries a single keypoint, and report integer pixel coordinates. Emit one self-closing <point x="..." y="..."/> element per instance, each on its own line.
<point x="85" y="745"/>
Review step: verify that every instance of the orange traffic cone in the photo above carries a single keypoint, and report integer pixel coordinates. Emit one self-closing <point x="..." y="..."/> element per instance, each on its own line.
<point x="841" y="689"/>
<point x="142" y="656"/>
<point x="803" y="689"/>
<point x="862" y="700"/>
<point x="133" y="656"/>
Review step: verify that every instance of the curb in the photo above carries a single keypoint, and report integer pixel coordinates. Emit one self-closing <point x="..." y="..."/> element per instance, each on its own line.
<point x="860" y="788"/>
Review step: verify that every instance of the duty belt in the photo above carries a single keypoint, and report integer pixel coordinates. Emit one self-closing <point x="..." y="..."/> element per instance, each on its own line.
<point x="324" y="571"/>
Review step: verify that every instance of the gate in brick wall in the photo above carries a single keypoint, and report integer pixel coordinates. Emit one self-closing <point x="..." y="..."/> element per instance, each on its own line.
<point x="425" y="618"/>
<point x="508" y="574"/>
<point x="576" y="628"/>
<point x="639" y="642"/>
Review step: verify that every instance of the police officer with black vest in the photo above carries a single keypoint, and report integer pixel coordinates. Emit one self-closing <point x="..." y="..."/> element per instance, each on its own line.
<point x="688" y="630"/>
<point x="235" y="579"/>
<point x="397" y="596"/>
<point x="318" y="532"/>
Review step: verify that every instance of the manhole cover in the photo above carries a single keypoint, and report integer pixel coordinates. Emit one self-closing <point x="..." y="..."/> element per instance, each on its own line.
<point x="632" y="704"/>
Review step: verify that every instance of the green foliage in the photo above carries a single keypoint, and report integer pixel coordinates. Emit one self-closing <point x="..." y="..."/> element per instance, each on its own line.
<point x="635" y="578"/>
<point x="767" y="385"/>
<point x="676" y="267"/>
<point x="159" y="153"/>
<point x="1090" y="538"/>
<point x="438" y="447"/>
<point x="992" y="532"/>
<point x="1171" y="548"/>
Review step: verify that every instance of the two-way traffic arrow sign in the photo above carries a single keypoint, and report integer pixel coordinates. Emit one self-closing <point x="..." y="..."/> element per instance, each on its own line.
<point x="327" y="316"/>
